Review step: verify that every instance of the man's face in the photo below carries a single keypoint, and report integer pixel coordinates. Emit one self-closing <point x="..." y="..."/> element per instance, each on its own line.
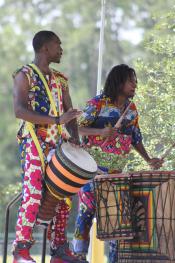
<point x="129" y="87"/>
<point x="54" y="50"/>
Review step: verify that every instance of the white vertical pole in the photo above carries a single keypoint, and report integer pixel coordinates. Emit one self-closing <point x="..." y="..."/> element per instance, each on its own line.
<point x="100" y="62"/>
<point x="101" y="44"/>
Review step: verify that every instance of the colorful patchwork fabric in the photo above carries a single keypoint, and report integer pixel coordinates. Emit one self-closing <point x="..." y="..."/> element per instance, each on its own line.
<point x="39" y="101"/>
<point x="113" y="251"/>
<point x="32" y="193"/>
<point x="32" y="174"/>
<point x="84" y="220"/>
<point x="100" y="112"/>
<point x="32" y="188"/>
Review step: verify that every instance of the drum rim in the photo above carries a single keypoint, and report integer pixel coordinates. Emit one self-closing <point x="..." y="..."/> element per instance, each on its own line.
<point x="153" y="172"/>
<point x="111" y="176"/>
<point x="76" y="170"/>
<point x="136" y="174"/>
<point x="75" y="164"/>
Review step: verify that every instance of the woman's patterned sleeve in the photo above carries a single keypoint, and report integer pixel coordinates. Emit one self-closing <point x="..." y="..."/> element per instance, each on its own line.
<point x="136" y="132"/>
<point x="90" y="113"/>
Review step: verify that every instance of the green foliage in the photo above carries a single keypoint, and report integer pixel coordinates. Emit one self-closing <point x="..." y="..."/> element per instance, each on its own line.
<point x="113" y="162"/>
<point x="155" y="95"/>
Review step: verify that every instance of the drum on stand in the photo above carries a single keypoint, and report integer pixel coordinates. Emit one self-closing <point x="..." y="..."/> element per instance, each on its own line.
<point x="70" y="168"/>
<point x="113" y="203"/>
<point x="153" y="219"/>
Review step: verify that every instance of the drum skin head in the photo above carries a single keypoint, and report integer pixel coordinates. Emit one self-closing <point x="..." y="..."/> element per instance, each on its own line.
<point x="79" y="157"/>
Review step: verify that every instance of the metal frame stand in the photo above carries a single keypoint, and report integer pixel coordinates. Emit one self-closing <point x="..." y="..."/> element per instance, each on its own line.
<point x="7" y="215"/>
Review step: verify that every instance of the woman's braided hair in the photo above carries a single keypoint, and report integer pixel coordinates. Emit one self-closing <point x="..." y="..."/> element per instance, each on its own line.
<point x="116" y="79"/>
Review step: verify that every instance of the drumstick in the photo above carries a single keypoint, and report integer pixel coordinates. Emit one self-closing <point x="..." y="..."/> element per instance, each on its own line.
<point x="118" y="123"/>
<point x="168" y="151"/>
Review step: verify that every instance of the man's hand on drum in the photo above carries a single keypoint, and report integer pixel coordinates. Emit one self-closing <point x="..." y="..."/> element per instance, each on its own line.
<point x="69" y="115"/>
<point x="155" y="163"/>
<point x="75" y="141"/>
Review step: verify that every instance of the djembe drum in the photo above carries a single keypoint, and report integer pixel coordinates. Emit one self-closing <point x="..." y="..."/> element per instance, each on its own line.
<point x="69" y="169"/>
<point x="113" y="203"/>
<point x="153" y="219"/>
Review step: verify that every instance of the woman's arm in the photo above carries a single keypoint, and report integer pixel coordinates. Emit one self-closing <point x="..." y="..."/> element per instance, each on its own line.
<point x="104" y="132"/>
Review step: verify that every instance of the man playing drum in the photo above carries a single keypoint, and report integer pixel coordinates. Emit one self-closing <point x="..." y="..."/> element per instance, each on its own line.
<point x="109" y="127"/>
<point x="33" y="106"/>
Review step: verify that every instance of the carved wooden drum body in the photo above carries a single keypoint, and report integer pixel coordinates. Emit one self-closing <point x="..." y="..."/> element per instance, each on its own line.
<point x="151" y="205"/>
<point x="70" y="168"/>
<point x="153" y="219"/>
<point x="112" y="193"/>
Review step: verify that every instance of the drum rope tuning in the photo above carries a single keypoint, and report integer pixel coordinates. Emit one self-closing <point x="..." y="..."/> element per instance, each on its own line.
<point x="138" y="210"/>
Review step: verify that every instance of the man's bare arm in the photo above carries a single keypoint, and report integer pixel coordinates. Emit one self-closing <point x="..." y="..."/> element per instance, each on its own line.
<point x="21" y="107"/>
<point x="22" y="110"/>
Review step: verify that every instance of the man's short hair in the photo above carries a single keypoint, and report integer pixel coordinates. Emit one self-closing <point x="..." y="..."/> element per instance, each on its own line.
<point x="42" y="37"/>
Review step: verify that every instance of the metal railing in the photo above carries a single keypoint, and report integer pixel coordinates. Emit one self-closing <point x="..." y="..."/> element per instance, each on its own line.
<point x="7" y="215"/>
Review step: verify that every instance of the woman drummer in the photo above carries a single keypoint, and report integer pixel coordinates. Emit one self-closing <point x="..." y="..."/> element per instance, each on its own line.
<point x="106" y="143"/>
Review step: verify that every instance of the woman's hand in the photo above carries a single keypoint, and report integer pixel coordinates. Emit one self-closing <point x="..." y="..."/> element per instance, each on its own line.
<point x="155" y="163"/>
<point x="108" y="132"/>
